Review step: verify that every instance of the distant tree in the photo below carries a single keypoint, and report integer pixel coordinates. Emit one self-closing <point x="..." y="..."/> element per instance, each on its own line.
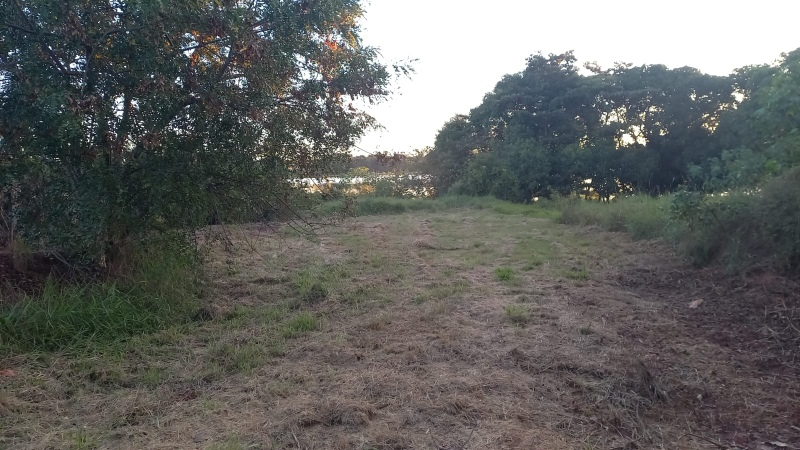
<point x="455" y="143"/>
<point x="760" y="134"/>
<point x="119" y="117"/>
<point x="623" y="128"/>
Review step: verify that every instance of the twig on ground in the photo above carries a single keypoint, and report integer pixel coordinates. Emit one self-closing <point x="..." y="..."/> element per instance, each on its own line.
<point x="467" y="441"/>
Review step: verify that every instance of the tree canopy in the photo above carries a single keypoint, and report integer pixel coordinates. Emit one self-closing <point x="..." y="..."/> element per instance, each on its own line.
<point x="556" y="129"/>
<point x="119" y="117"/>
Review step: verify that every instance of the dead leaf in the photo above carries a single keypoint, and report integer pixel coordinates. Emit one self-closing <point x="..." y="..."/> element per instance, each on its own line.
<point x="7" y="373"/>
<point x="696" y="303"/>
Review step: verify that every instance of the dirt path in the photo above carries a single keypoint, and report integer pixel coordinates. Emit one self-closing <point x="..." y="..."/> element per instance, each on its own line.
<point x="400" y="332"/>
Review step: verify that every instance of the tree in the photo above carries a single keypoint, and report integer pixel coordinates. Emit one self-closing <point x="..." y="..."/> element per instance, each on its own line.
<point x="760" y="133"/>
<point x="455" y="143"/>
<point x="624" y="128"/>
<point x="119" y="117"/>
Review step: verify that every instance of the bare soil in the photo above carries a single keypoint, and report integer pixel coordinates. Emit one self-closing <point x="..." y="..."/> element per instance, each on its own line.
<point x="596" y="342"/>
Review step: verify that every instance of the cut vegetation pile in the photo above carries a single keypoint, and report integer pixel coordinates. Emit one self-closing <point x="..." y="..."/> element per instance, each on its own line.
<point x="460" y="329"/>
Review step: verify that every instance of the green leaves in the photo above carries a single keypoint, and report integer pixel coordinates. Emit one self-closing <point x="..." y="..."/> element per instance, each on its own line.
<point x="551" y="130"/>
<point x="171" y="111"/>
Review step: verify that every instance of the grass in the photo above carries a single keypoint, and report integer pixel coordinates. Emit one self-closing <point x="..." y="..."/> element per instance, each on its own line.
<point x="576" y="273"/>
<point x="535" y="252"/>
<point x="750" y="230"/>
<point x="504" y="273"/>
<point x="81" y="440"/>
<point x="235" y="358"/>
<point x="643" y="216"/>
<point x="315" y="283"/>
<point x="519" y="315"/>
<point x="160" y="291"/>
<point x="301" y="325"/>
<point x="343" y="325"/>
<point x="367" y="205"/>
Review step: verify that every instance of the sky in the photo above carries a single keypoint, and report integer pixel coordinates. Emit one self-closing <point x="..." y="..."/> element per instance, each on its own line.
<point x="463" y="48"/>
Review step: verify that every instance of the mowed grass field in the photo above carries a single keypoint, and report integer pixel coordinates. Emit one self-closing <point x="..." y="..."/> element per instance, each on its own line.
<point x="457" y="329"/>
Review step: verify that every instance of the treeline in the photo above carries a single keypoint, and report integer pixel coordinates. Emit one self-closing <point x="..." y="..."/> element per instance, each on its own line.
<point x="554" y="129"/>
<point x="384" y="162"/>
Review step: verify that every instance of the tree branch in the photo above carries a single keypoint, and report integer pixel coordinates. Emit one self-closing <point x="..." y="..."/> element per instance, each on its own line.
<point x="57" y="62"/>
<point x="24" y="30"/>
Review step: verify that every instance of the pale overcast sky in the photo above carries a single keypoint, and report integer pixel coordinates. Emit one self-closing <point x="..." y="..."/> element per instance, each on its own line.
<point x="465" y="47"/>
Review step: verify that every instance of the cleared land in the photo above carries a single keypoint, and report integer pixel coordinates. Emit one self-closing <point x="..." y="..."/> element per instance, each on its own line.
<point x="456" y="330"/>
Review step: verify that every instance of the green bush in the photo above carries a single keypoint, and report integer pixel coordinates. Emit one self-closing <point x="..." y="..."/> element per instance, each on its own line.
<point x="744" y="231"/>
<point x="159" y="290"/>
<point x="749" y="230"/>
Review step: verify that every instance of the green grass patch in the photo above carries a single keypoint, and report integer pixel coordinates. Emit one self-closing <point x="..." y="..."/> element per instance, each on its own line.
<point x="314" y="284"/>
<point x="504" y="273"/>
<point x="534" y="252"/>
<point x="643" y="216"/>
<point x="301" y="325"/>
<point x="757" y="229"/>
<point x="441" y="290"/>
<point x="235" y="358"/>
<point x="161" y="290"/>
<point x="230" y="443"/>
<point x="576" y="273"/>
<point x="81" y="440"/>
<point x="519" y="315"/>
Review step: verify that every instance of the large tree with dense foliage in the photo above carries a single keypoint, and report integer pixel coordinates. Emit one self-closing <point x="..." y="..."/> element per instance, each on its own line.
<point x="554" y="130"/>
<point x="119" y="117"/>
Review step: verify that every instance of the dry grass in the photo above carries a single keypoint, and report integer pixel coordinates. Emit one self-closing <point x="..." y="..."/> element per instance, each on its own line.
<point x="398" y="333"/>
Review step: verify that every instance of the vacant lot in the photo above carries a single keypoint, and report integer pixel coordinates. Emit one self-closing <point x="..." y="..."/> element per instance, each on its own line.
<point x="457" y="330"/>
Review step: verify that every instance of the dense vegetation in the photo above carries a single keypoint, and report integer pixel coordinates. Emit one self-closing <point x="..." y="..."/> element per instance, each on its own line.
<point x="125" y="125"/>
<point x="728" y="147"/>
<point x="552" y="130"/>
<point x="124" y="118"/>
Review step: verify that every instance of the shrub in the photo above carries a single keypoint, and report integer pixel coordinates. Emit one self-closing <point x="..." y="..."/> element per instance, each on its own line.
<point x="504" y="273"/>
<point x="744" y="230"/>
<point x="518" y="314"/>
<point x="748" y="230"/>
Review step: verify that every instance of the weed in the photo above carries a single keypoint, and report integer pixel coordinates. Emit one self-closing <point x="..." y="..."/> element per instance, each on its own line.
<point x="518" y="314"/>
<point x="366" y="205"/>
<point x="504" y="273"/>
<point x="576" y="273"/>
<point x="314" y="284"/>
<point x="80" y="440"/>
<point x="20" y="254"/>
<point x="300" y="325"/>
<point x="586" y="330"/>
<point x="419" y="299"/>
<point x="531" y="265"/>
<point x="154" y="376"/>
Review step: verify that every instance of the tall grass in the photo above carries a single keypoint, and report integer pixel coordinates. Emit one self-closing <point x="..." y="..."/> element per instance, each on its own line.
<point x="159" y="290"/>
<point x="368" y="205"/>
<point x="642" y="216"/>
<point x="756" y="229"/>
